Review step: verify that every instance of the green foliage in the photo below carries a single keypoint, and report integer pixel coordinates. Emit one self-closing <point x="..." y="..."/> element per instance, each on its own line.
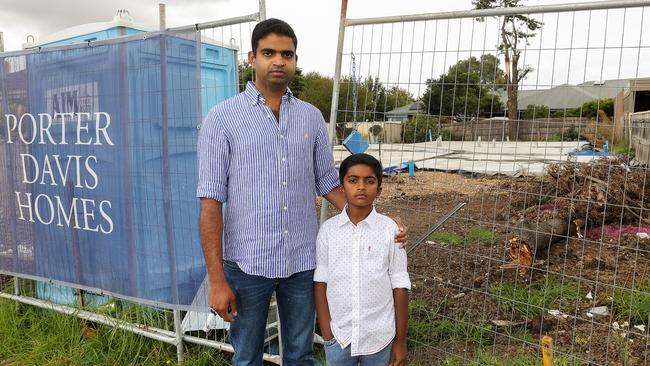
<point x="318" y="92"/>
<point x="535" y="111"/>
<point x="36" y="336"/>
<point x="467" y="88"/>
<point x="447" y="237"/>
<point x="475" y="233"/>
<point x="623" y="149"/>
<point x="415" y="129"/>
<point x="633" y="304"/>
<point x="478" y="233"/>
<point x="589" y="109"/>
<point x="373" y="99"/>
<point x="426" y="328"/>
<point x="570" y="134"/>
<point x="485" y="358"/>
<point x="547" y="293"/>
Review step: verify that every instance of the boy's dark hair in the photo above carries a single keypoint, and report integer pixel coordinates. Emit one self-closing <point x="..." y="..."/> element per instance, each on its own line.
<point x="275" y="26"/>
<point x="365" y="159"/>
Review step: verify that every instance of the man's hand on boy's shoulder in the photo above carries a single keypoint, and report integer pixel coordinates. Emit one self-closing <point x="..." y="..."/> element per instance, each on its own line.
<point x="402" y="235"/>
<point x="398" y="353"/>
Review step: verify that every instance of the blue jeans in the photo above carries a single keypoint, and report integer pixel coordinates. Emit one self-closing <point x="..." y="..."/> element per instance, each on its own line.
<point x="295" y="298"/>
<point x="335" y="356"/>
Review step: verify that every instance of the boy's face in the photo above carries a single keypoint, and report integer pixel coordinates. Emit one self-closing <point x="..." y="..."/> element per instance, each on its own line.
<point x="361" y="185"/>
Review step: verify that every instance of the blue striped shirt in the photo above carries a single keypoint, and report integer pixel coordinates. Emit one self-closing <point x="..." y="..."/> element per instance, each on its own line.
<point x="269" y="174"/>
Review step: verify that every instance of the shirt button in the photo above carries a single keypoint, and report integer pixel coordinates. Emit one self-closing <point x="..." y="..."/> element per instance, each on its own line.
<point x="285" y="232"/>
<point x="284" y="208"/>
<point x="284" y="183"/>
<point x="284" y="159"/>
<point x="281" y="136"/>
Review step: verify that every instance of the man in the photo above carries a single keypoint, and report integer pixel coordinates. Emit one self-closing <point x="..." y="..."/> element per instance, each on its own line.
<point x="266" y="154"/>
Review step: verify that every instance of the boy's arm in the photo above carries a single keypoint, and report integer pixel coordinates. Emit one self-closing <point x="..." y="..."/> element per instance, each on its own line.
<point x="322" y="310"/>
<point x="398" y="351"/>
<point x="401" y="284"/>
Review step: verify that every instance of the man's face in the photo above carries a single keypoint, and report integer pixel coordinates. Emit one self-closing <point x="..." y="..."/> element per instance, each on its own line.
<point x="275" y="60"/>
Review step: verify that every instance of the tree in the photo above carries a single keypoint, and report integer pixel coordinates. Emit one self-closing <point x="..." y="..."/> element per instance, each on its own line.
<point x="467" y="88"/>
<point x="515" y="30"/>
<point x="536" y="111"/>
<point x="392" y="98"/>
<point x="318" y="92"/>
<point x="373" y="99"/>
<point x="423" y="127"/>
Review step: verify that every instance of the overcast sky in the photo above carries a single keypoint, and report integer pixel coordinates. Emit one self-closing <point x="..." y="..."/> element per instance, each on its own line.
<point x="316" y="25"/>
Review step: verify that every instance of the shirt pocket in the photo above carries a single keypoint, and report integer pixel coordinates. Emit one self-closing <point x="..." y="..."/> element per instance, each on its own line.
<point x="375" y="256"/>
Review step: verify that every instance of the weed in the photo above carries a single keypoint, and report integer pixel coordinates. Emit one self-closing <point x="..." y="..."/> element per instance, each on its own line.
<point x="488" y="359"/>
<point x="623" y="149"/>
<point x="427" y="327"/>
<point x="36" y="336"/>
<point x="633" y="304"/>
<point x="447" y="237"/>
<point x="549" y="292"/>
<point x="478" y="233"/>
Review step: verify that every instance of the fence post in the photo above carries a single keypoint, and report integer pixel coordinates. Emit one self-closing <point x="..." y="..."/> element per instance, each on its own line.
<point x="335" y="93"/>
<point x="178" y="328"/>
<point x="17" y="291"/>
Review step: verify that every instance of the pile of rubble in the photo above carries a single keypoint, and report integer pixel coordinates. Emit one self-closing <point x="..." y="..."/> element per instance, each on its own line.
<point x="593" y="200"/>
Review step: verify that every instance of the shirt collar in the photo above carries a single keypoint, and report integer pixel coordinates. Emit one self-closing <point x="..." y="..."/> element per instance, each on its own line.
<point x="256" y="97"/>
<point x="371" y="220"/>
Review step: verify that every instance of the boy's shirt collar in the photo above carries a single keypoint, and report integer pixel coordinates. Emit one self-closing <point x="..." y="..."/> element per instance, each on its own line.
<point x="371" y="220"/>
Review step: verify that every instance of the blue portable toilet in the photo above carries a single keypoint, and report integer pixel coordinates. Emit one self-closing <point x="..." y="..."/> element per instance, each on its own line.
<point x="138" y="257"/>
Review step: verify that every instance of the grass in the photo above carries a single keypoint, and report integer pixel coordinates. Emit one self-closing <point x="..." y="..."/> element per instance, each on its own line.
<point x="427" y="328"/>
<point x="35" y="336"/>
<point x="478" y="233"/>
<point x="633" y="304"/>
<point x="549" y="292"/>
<point x="447" y="237"/>
<point x="488" y="359"/>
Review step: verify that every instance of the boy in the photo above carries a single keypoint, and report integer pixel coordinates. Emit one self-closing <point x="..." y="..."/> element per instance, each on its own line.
<point x="360" y="283"/>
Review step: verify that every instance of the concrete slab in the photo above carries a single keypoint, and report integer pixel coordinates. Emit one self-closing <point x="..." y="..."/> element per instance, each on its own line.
<point x="483" y="157"/>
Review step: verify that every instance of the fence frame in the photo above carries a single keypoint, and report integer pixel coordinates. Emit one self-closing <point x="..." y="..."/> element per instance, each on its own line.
<point x="345" y="22"/>
<point x="175" y="336"/>
<point x="476" y="13"/>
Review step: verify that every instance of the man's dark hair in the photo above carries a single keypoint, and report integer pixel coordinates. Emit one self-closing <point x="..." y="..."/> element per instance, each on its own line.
<point x="275" y="26"/>
<point x="357" y="159"/>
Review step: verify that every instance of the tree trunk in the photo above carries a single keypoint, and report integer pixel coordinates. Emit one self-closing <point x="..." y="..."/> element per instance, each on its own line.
<point x="513" y="86"/>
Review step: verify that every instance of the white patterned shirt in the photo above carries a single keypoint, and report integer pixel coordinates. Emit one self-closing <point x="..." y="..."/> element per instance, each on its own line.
<point x="361" y="265"/>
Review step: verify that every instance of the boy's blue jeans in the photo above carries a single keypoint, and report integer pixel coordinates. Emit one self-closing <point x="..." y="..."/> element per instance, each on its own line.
<point x="335" y="356"/>
<point x="295" y="298"/>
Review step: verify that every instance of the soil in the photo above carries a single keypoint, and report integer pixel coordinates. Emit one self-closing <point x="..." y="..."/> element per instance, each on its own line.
<point x="454" y="281"/>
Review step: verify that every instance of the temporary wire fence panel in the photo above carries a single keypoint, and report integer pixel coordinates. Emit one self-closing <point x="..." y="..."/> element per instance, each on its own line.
<point x="553" y="239"/>
<point x="153" y="91"/>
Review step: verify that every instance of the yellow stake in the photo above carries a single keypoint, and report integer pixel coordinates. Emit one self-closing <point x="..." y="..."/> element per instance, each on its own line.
<point x="547" y="351"/>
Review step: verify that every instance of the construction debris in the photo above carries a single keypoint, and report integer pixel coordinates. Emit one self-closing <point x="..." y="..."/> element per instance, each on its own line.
<point x="578" y="199"/>
<point x="599" y="310"/>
